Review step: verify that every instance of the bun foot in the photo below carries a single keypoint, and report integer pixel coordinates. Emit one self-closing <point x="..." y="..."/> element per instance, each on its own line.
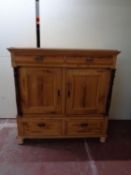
<point x="20" y="140"/>
<point x="102" y="139"/>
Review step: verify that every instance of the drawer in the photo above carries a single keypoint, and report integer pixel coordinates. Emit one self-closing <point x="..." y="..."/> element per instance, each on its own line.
<point x="79" y="127"/>
<point x="37" y="60"/>
<point x="43" y="127"/>
<point x="90" y="60"/>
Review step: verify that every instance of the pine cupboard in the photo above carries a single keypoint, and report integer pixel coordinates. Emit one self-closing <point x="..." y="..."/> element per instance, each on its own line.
<point x="63" y="93"/>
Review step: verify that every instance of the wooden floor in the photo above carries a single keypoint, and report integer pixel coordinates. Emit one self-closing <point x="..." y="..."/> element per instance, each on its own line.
<point x="66" y="157"/>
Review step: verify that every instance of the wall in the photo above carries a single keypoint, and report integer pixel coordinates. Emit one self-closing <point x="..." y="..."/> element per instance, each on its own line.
<point x="17" y="29"/>
<point x="68" y="24"/>
<point x="93" y="24"/>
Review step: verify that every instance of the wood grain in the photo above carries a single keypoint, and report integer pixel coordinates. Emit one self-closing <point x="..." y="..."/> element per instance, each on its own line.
<point x="41" y="90"/>
<point x="63" y="93"/>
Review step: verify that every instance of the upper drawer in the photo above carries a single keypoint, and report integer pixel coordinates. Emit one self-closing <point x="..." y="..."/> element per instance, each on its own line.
<point x="37" y="60"/>
<point x="72" y="57"/>
<point x="90" y="60"/>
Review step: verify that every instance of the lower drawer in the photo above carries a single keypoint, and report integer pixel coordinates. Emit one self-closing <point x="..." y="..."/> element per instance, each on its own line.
<point x="61" y="127"/>
<point x="41" y="127"/>
<point x="85" y="127"/>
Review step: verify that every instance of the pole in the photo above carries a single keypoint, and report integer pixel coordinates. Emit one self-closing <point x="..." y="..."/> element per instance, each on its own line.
<point x="37" y="24"/>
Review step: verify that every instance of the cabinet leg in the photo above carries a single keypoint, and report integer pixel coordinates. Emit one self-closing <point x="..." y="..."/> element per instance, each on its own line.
<point x="102" y="139"/>
<point x="20" y="140"/>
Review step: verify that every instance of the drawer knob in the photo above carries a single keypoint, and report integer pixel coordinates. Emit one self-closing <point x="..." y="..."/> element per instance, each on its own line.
<point x="39" y="58"/>
<point x="84" y="125"/>
<point x="42" y="125"/>
<point x="88" y="59"/>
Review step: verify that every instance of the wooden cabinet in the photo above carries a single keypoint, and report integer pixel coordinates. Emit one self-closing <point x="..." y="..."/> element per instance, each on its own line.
<point x="63" y="93"/>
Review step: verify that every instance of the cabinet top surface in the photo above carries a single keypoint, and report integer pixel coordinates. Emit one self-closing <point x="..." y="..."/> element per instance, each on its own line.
<point x="53" y="51"/>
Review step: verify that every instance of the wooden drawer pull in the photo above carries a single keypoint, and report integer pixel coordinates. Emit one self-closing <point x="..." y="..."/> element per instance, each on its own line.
<point x="84" y="125"/>
<point x="88" y="59"/>
<point x="42" y="125"/>
<point x="39" y="58"/>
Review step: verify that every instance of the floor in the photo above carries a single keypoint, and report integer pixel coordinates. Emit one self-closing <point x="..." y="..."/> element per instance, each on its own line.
<point x="66" y="157"/>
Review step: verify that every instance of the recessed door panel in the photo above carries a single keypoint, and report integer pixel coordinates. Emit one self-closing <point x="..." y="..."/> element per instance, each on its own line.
<point x="87" y="91"/>
<point x="40" y="90"/>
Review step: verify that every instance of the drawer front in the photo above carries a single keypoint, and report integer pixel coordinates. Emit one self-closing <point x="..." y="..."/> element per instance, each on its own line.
<point x="37" y="59"/>
<point x="44" y="127"/>
<point x="90" y="60"/>
<point x="85" y="127"/>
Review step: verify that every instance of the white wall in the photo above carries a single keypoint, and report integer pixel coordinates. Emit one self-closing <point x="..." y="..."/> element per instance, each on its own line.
<point x="17" y="29"/>
<point x="93" y="24"/>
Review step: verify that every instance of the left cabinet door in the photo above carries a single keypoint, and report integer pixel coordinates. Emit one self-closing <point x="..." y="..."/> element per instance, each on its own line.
<point x="40" y="90"/>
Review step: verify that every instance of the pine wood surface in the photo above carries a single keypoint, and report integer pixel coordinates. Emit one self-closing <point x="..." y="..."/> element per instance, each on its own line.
<point x="63" y="93"/>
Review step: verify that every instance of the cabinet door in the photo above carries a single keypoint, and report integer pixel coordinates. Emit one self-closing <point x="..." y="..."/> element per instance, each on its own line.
<point x="87" y="91"/>
<point x="40" y="90"/>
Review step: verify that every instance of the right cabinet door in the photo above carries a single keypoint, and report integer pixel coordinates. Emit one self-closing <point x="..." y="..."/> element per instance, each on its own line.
<point x="87" y="90"/>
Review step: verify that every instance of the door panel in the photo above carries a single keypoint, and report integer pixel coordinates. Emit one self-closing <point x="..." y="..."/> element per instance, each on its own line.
<point x="40" y="90"/>
<point x="87" y="91"/>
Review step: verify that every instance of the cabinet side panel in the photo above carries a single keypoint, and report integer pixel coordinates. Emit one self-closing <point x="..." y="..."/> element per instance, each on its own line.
<point x="110" y="91"/>
<point x="17" y="89"/>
